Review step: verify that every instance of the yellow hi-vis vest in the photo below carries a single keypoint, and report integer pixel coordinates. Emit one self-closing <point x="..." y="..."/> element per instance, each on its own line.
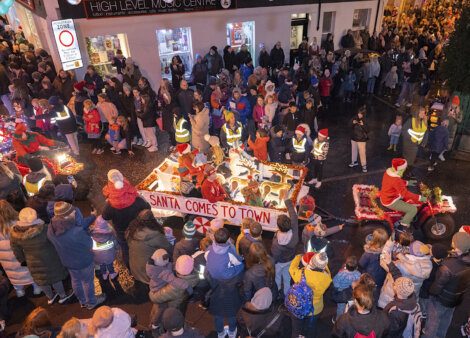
<point x="62" y="115"/>
<point x="318" y="148"/>
<point x="299" y="146"/>
<point x="233" y="135"/>
<point x="417" y="131"/>
<point x="33" y="187"/>
<point x="181" y="134"/>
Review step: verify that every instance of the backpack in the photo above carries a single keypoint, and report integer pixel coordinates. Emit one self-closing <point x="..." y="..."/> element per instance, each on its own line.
<point x="413" y="324"/>
<point x="299" y="299"/>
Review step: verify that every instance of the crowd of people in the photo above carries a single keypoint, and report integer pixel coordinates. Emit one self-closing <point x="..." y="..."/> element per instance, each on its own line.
<point x="273" y="109"/>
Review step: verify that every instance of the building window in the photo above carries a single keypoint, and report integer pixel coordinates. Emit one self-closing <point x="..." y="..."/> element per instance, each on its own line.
<point x="328" y="24"/>
<point x="102" y="49"/>
<point x="361" y="18"/>
<point x="242" y="33"/>
<point x="175" y="42"/>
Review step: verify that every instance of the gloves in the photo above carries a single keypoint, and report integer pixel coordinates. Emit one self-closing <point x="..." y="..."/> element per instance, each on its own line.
<point x="423" y="199"/>
<point x="412" y="183"/>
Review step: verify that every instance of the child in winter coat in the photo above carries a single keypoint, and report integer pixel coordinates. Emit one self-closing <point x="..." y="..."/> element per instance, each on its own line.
<point x="370" y="259"/>
<point x="188" y="245"/>
<point x="349" y="85"/>
<point x="394" y="132"/>
<point x="92" y="120"/>
<point x="104" y="247"/>
<point x="252" y="236"/>
<point x="200" y="267"/>
<point x="344" y="279"/>
<point x="260" y="145"/>
<point x="325" y="87"/>
<point x="43" y="125"/>
<point x="111" y="322"/>
<point x="390" y="81"/>
<point x="316" y="228"/>
<point x="258" y="112"/>
<point x="270" y="109"/>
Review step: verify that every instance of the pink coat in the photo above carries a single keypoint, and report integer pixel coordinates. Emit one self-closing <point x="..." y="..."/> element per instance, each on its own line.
<point x="258" y="113"/>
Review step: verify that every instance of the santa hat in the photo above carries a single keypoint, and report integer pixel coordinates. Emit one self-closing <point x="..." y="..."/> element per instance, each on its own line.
<point x="456" y="100"/>
<point x="79" y="86"/>
<point x="465" y="228"/>
<point x="115" y="177"/>
<point x="20" y="128"/>
<point x="307" y="257"/>
<point x="300" y="130"/>
<point x="323" y="132"/>
<point x="399" y="164"/>
<point x="183" y="148"/>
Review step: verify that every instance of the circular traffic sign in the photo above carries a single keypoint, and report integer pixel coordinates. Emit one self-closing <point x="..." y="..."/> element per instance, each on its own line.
<point x="66" y="38"/>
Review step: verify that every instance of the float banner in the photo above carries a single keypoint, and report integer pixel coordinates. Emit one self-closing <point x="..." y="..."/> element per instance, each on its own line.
<point x="114" y="8"/>
<point x="232" y="213"/>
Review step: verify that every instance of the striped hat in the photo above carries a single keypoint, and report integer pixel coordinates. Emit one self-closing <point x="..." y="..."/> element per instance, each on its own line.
<point x="189" y="229"/>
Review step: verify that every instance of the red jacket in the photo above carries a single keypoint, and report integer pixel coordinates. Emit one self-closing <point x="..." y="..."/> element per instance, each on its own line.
<point x="259" y="147"/>
<point x="395" y="188"/>
<point x="92" y="121"/>
<point x="213" y="191"/>
<point x="120" y="198"/>
<point x="325" y="86"/>
<point x="23" y="148"/>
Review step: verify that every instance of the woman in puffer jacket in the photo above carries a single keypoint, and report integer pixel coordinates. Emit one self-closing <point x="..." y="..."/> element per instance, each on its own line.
<point x="18" y="275"/>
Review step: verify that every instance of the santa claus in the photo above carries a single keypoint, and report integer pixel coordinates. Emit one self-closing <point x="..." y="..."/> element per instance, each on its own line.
<point x="211" y="188"/>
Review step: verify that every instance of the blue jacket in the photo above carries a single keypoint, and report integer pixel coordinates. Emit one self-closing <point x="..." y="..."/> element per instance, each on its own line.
<point x="221" y="261"/>
<point x="242" y="107"/>
<point x="438" y="139"/>
<point x="72" y="242"/>
<point x="284" y="243"/>
<point x="246" y="71"/>
<point x="370" y="263"/>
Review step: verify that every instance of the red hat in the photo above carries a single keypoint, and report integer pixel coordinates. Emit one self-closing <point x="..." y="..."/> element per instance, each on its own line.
<point x="307" y="257"/>
<point x="79" y="85"/>
<point x="399" y="164"/>
<point x="20" y="128"/>
<point x="456" y="100"/>
<point x="323" y="132"/>
<point x="300" y="129"/>
<point x="183" y="148"/>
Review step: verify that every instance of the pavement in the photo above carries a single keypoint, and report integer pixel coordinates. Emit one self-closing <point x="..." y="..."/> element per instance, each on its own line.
<point x="335" y="196"/>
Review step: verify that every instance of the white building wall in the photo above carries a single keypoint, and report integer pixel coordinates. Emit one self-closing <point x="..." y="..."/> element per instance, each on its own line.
<point x="272" y="24"/>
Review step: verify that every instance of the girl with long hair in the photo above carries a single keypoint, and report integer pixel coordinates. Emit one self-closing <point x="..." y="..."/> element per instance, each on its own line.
<point x="260" y="271"/>
<point x="148" y="116"/>
<point x="18" y="275"/>
<point x="38" y="324"/>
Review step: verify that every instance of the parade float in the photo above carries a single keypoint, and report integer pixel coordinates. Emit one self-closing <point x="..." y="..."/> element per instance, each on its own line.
<point x="277" y="182"/>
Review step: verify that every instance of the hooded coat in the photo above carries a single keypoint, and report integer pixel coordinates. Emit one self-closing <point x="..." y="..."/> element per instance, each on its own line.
<point x="254" y="279"/>
<point x="119" y="327"/>
<point x="199" y="128"/>
<point x="141" y="248"/>
<point x="72" y="242"/>
<point x="416" y="268"/>
<point x="351" y="323"/>
<point x="31" y="246"/>
<point x="17" y="274"/>
<point x="370" y="263"/>
<point x="284" y="243"/>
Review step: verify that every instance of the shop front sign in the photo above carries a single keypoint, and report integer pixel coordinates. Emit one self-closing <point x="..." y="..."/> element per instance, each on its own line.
<point x="67" y="44"/>
<point x="114" y="8"/>
<point x="233" y="213"/>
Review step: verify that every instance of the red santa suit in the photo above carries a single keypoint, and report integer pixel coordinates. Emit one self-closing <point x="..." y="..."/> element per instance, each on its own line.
<point x="394" y="187"/>
<point x="186" y="160"/>
<point x="213" y="191"/>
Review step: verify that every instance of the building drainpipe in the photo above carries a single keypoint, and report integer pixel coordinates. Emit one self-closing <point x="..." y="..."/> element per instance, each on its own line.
<point x="376" y="15"/>
<point x="318" y="15"/>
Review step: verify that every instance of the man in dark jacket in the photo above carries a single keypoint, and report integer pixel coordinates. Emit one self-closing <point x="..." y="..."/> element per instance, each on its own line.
<point x="347" y="41"/>
<point x="451" y="282"/>
<point x="214" y="61"/>
<point x="359" y="138"/>
<point x="438" y="141"/>
<point x="74" y="246"/>
<point x="277" y="147"/>
<point x="185" y="98"/>
<point x="277" y="56"/>
<point x="63" y="84"/>
<point x="264" y="58"/>
<point x="242" y="56"/>
<point x="94" y="83"/>
<point x="199" y="73"/>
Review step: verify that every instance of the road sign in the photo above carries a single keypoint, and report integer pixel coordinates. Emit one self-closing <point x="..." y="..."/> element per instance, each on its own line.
<point x="67" y="44"/>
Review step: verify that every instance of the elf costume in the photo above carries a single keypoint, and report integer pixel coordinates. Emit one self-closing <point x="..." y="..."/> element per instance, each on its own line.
<point x="394" y="192"/>
<point x="186" y="160"/>
<point x="29" y="144"/>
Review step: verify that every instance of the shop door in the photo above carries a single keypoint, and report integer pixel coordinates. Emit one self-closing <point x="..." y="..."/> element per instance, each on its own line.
<point x="299" y="29"/>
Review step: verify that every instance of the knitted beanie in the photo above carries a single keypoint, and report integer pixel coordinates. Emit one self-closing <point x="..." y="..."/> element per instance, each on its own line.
<point x="160" y="257"/>
<point x="419" y="249"/>
<point x="184" y="265"/>
<point x="115" y="177"/>
<point x="319" y="261"/>
<point x="189" y="229"/>
<point x="63" y="209"/>
<point x="262" y="299"/>
<point x="404" y="287"/>
<point x="461" y="241"/>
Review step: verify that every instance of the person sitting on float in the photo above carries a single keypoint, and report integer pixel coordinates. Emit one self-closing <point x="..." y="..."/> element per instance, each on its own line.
<point x="395" y="195"/>
<point x="211" y="188"/>
<point x="186" y="159"/>
<point x="28" y="143"/>
<point x="251" y="194"/>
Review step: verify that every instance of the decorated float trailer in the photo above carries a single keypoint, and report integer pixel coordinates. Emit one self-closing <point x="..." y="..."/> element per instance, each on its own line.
<point x="277" y="182"/>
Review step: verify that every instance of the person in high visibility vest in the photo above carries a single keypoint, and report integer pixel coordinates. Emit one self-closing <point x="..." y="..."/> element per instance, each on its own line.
<point x="321" y="145"/>
<point x="415" y="134"/>
<point x="38" y="176"/>
<point x="232" y="132"/>
<point x="394" y="192"/>
<point x="181" y="126"/>
<point x="300" y="146"/>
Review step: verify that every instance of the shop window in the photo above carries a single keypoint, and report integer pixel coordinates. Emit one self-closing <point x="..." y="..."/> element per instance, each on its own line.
<point x="328" y="24"/>
<point x="175" y="42"/>
<point x="102" y="49"/>
<point x="299" y="16"/>
<point x="361" y="18"/>
<point x="239" y="33"/>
